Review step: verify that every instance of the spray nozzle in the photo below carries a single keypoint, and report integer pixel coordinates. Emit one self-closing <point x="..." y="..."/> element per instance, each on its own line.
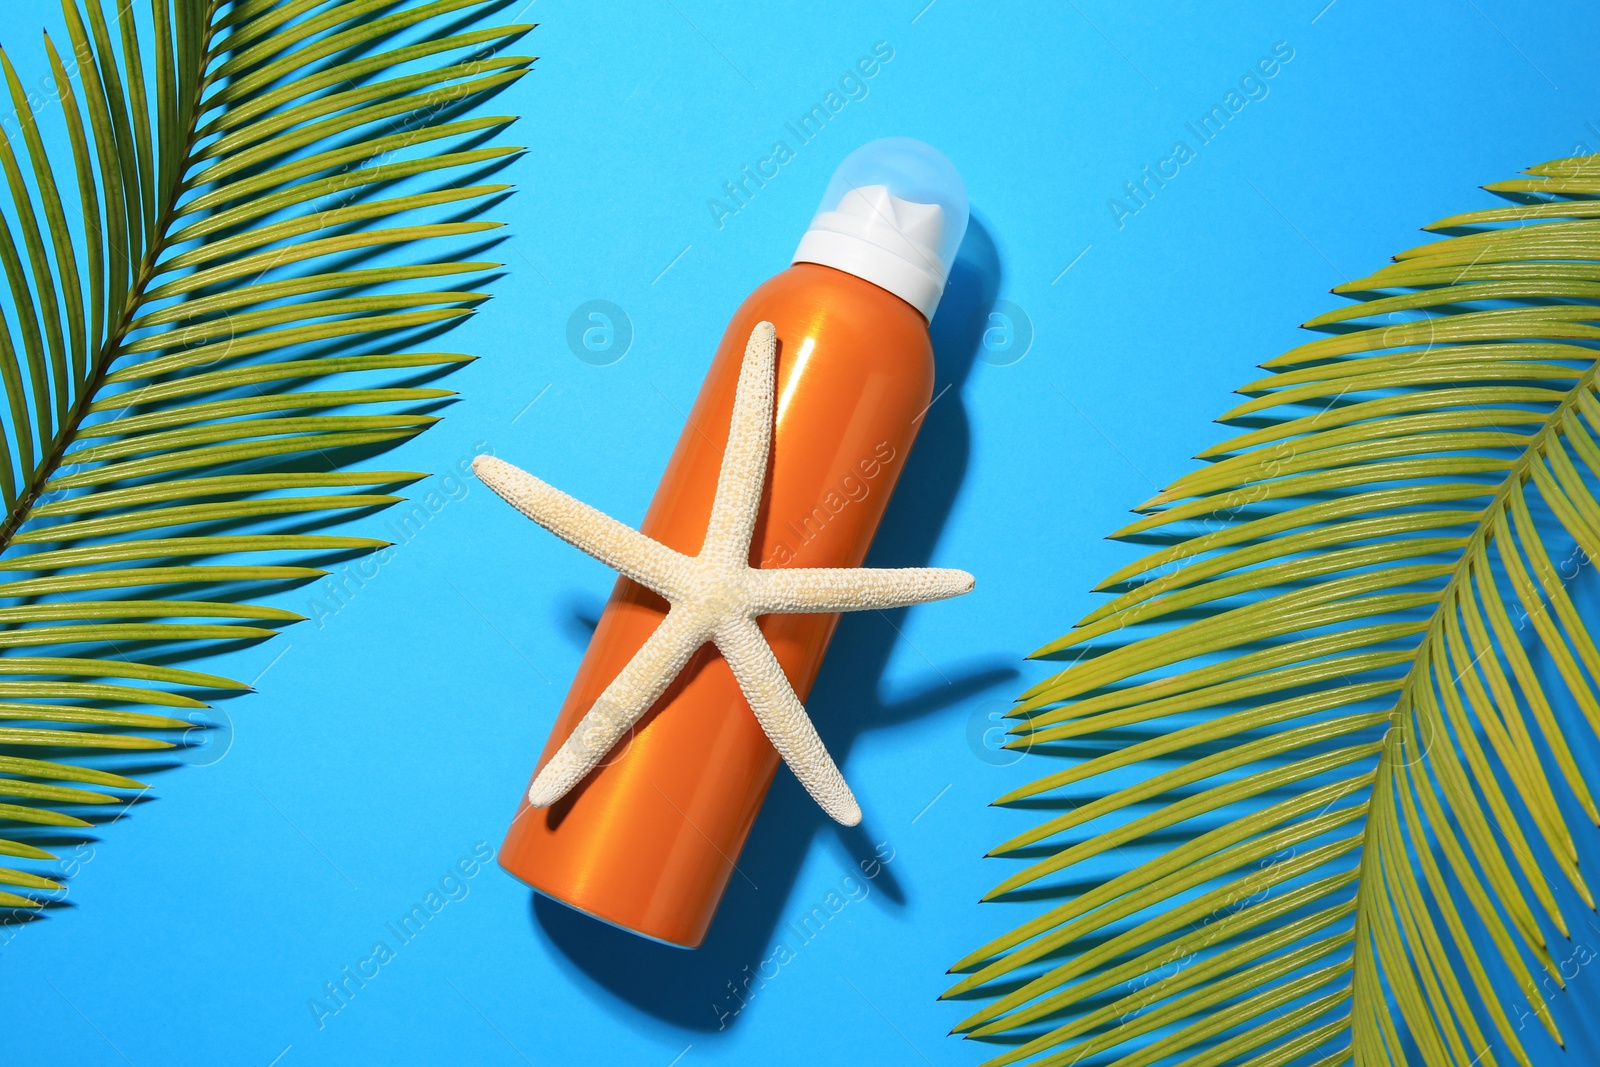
<point x="894" y="214"/>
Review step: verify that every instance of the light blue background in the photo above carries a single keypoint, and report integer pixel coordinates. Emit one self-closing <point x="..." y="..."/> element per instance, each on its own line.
<point x="384" y="744"/>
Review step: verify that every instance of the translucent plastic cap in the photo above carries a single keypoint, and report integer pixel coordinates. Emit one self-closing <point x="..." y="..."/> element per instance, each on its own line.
<point x="894" y="214"/>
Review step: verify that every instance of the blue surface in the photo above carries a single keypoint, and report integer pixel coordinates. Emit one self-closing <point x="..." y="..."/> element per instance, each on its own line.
<point x="391" y="737"/>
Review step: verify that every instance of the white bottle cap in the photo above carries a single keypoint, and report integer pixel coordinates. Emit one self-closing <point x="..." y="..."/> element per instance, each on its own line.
<point x="894" y="214"/>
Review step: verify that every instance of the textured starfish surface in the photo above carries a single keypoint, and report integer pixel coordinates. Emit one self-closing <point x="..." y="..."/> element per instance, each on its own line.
<point x="715" y="596"/>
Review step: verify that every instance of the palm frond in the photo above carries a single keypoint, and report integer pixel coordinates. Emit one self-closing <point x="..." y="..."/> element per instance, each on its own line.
<point x="1334" y="710"/>
<point x="223" y="238"/>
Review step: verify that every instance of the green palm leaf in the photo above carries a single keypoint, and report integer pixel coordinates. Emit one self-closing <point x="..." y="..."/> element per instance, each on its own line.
<point x="173" y="296"/>
<point x="1334" y="709"/>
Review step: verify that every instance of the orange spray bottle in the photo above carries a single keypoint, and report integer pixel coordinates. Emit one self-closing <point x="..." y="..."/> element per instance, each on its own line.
<point x="648" y="840"/>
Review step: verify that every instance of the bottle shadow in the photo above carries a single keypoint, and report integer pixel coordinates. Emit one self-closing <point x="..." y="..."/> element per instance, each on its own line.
<point x="705" y="990"/>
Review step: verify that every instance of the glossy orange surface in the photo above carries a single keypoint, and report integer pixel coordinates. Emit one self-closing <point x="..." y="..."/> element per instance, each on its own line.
<point x="649" y="839"/>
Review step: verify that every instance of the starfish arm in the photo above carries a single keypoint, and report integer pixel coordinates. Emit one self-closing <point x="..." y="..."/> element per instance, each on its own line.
<point x="744" y="461"/>
<point x="619" y="547"/>
<point x="784" y="719"/>
<point x="631" y="693"/>
<point x="801" y="590"/>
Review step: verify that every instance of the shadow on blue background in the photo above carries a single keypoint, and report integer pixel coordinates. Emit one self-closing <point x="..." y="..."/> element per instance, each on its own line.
<point x="685" y="987"/>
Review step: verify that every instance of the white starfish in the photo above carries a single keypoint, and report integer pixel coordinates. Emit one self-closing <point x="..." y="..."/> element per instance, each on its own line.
<point x="715" y="596"/>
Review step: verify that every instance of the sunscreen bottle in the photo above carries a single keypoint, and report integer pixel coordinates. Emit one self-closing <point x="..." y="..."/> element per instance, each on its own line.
<point x="649" y="839"/>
